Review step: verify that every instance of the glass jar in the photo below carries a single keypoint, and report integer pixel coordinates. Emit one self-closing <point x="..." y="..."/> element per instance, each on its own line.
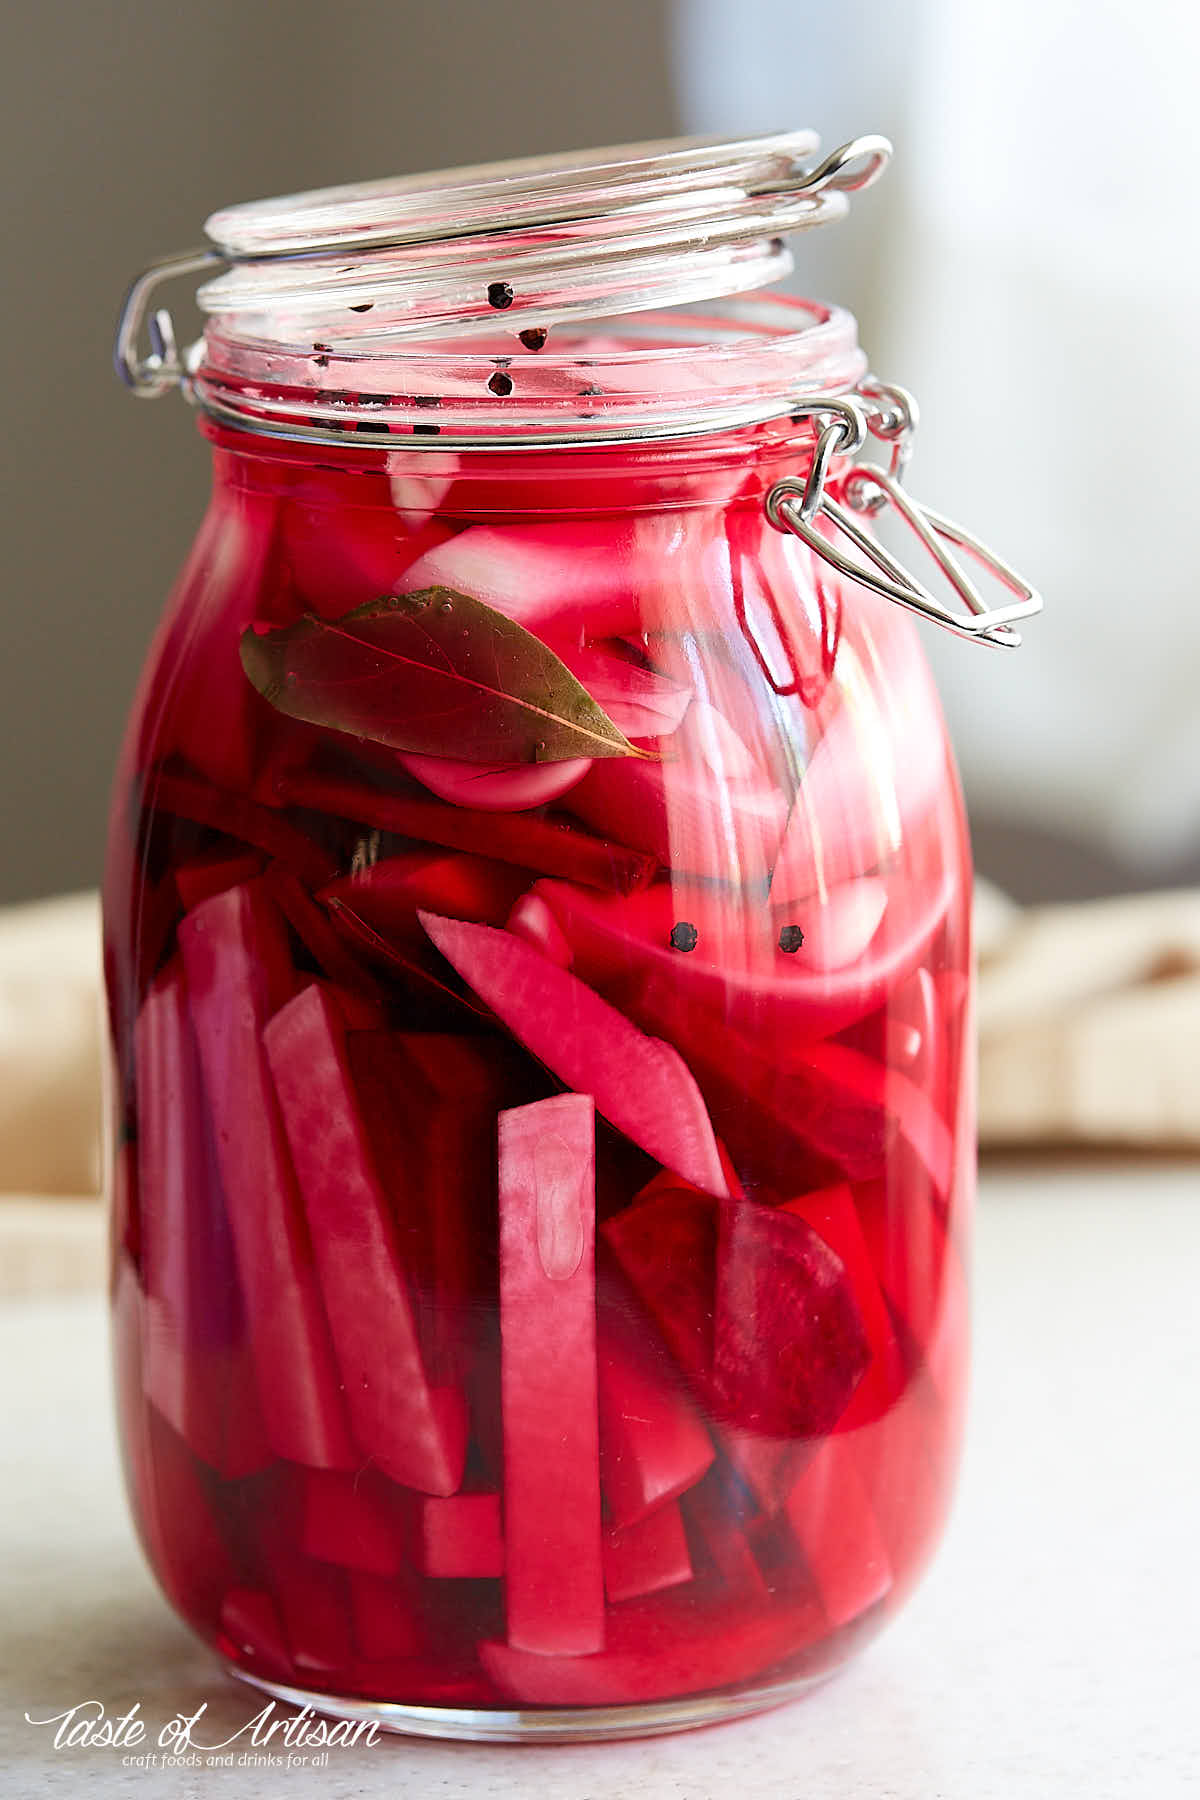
<point x="538" y="960"/>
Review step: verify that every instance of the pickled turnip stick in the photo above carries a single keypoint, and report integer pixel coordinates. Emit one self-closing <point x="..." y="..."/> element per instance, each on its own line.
<point x="416" y="1433"/>
<point x="196" y="1369"/>
<point x="229" y="944"/>
<point x="554" y="1586"/>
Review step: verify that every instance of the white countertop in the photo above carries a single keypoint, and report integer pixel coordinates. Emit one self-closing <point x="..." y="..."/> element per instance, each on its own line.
<point x="1053" y="1649"/>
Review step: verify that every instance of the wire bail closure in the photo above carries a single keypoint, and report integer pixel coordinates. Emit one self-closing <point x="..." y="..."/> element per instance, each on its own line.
<point x="890" y="414"/>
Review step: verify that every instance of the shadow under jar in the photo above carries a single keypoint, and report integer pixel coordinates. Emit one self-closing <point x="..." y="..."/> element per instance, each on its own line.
<point x="538" y="960"/>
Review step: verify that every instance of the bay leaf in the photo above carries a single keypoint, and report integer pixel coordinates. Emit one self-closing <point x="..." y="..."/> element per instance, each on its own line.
<point x="435" y="672"/>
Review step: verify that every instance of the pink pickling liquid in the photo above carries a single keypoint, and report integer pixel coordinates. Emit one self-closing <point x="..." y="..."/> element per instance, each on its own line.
<point x="539" y="1213"/>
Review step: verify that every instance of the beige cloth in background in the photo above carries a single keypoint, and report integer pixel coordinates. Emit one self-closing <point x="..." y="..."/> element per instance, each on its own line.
<point x="50" y="1046"/>
<point x="1089" y="1021"/>
<point x="1089" y="1027"/>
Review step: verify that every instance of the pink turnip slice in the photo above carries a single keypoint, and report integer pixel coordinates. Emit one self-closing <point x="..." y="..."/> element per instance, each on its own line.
<point x="554" y="1584"/>
<point x="640" y="1085"/>
<point x="502" y="787"/>
<point x="196" y="1367"/>
<point x="569" y="579"/>
<point x="639" y="702"/>
<point x="414" y="1431"/>
<point x="230" y="944"/>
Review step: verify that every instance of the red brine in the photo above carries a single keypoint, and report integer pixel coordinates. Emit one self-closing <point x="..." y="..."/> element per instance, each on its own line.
<point x="546" y="1176"/>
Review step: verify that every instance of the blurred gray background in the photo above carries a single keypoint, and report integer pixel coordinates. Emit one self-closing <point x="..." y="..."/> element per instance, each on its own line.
<point x="124" y="124"/>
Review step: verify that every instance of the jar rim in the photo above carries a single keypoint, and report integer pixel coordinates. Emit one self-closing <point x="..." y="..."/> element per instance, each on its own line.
<point x="667" y="374"/>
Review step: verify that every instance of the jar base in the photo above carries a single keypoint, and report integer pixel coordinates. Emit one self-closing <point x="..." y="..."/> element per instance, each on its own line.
<point x="527" y="1725"/>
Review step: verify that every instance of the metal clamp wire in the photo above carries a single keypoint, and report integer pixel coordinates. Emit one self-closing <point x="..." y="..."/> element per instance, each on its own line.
<point x="876" y="569"/>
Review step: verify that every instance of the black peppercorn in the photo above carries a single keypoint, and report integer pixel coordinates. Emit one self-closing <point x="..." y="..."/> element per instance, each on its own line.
<point x="684" y="935"/>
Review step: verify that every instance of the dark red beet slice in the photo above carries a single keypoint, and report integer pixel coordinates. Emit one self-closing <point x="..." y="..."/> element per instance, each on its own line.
<point x="715" y="1527"/>
<point x="666" y="1245"/>
<point x="358" y="1521"/>
<point x="767" y="1466"/>
<point x="206" y="712"/>
<point x="653" y="1445"/>
<point x="647" y="1556"/>
<point x="341" y="556"/>
<point x="240" y="818"/>
<point x="413" y="1431"/>
<point x="640" y="1084"/>
<point x="554" y="1584"/>
<point x="778" y="1102"/>
<point x="459" y="1537"/>
<point x="832" y="1214"/>
<point x="406" y="967"/>
<point x="429" y="1102"/>
<point x="140" y="915"/>
<point x="230" y="945"/>
<point x="313" y="1601"/>
<point x="322" y="942"/>
<point x="423" y="1680"/>
<point x="196" y="1366"/>
<point x="525" y="839"/>
<point x="851" y="1079"/>
<point x="251" y="1635"/>
<point x="790" y="1346"/>
<point x="659" y="1648"/>
<point x="389" y="893"/>
<point x="389" y="1617"/>
<point x="830" y="1516"/>
<point x="182" y="1538"/>
<point x="204" y="876"/>
<point x="904" y="1225"/>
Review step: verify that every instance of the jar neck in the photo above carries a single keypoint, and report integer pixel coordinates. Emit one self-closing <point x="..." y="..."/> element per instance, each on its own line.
<point x="657" y="378"/>
<point x="718" y="469"/>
